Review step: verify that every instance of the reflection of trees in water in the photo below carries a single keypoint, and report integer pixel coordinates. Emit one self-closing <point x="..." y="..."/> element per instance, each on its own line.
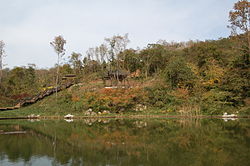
<point x="190" y="122"/>
<point x="133" y="142"/>
<point x="23" y="147"/>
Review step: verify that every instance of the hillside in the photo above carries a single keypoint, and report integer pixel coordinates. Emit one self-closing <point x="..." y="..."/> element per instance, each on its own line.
<point x="190" y="78"/>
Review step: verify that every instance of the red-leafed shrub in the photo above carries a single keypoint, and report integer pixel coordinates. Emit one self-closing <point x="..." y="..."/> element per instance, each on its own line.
<point x="115" y="100"/>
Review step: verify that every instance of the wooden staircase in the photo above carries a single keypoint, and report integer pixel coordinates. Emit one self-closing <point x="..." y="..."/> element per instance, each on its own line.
<point x="37" y="97"/>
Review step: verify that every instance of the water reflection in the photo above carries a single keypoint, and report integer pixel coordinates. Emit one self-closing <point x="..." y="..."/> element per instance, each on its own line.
<point x="177" y="142"/>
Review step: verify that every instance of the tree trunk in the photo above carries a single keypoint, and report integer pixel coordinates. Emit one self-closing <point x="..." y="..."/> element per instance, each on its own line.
<point x="248" y="35"/>
<point x="1" y="66"/>
<point x="1" y="70"/>
<point x="57" y="74"/>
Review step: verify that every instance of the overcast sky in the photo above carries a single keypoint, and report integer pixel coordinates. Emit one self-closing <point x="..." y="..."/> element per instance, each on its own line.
<point x="27" y="26"/>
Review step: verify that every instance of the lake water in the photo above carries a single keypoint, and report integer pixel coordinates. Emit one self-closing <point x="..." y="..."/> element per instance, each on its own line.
<point x="140" y="142"/>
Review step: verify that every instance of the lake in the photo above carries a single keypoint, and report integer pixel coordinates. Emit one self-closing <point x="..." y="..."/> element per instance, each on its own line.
<point x="124" y="142"/>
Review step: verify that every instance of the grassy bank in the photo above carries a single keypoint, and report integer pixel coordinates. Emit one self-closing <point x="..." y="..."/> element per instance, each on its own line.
<point x="92" y="99"/>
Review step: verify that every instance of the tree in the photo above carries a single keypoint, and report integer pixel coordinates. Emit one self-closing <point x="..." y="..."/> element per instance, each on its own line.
<point x="239" y="18"/>
<point x="178" y="74"/>
<point x="132" y="60"/>
<point x="66" y="69"/>
<point x="103" y="50"/>
<point x="75" y="60"/>
<point x="236" y="79"/>
<point x="22" y="80"/>
<point x="117" y="44"/>
<point x="90" y="53"/>
<point x="154" y="58"/>
<point x="111" y="43"/>
<point x="2" y="54"/>
<point x="102" y="55"/>
<point x="58" y="45"/>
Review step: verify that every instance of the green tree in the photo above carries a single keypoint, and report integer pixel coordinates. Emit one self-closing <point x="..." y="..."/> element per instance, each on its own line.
<point x="208" y="57"/>
<point x="22" y="80"/>
<point x="177" y="73"/>
<point x="75" y="61"/>
<point x="65" y="69"/>
<point x="154" y="58"/>
<point x="132" y="60"/>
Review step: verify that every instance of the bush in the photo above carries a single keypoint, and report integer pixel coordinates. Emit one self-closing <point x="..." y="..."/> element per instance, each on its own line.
<point x="114" y="100"/>
<point x="160" y="97"/>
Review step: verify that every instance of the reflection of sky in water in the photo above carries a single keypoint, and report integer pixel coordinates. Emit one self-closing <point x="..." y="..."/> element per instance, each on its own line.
<point x="36" y="161"/>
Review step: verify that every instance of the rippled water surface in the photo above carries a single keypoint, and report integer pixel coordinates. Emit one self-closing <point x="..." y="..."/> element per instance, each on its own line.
<point x="156" y="142"/>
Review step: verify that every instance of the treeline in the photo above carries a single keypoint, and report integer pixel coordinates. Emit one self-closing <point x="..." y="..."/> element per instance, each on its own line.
<point x="211" y="74"/>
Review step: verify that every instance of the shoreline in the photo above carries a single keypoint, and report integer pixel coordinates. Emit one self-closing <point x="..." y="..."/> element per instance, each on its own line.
<point x="126" y="117"/>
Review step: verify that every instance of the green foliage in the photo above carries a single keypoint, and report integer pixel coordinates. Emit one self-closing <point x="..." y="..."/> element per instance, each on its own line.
<point x="21" y="80"/>
<point x="65" y="98"/>
<point x="238" y="82"/>
<point x="161" y="97"/>
<point x="76" y="62"/>
<point x="204" y="52"/>
<point x="154" y="58"/>
<point x="216" y="101"/>
<point x="132" y="60"/>
<point x="177" y="73"/>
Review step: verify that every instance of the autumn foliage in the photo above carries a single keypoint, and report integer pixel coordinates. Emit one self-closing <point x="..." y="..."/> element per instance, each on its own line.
<point x="115" y="100"/>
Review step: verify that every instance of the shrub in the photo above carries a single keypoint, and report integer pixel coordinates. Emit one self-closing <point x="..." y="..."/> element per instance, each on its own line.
<point x="114" y="100"/>
<point x="160" y="97"/>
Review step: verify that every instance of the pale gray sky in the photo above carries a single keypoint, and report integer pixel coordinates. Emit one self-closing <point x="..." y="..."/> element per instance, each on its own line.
<point x="27" y="26"/>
